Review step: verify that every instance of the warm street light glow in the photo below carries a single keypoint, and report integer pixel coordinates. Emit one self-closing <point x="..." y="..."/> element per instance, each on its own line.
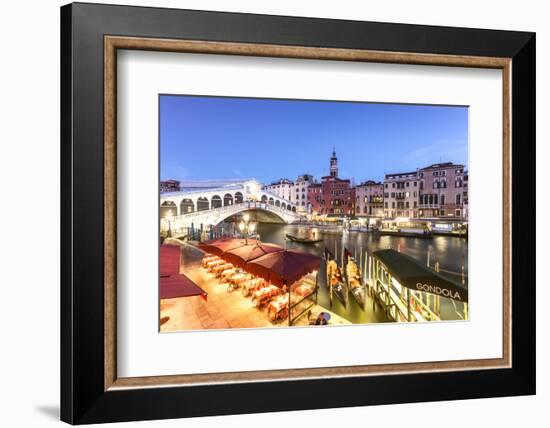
<point x="241" y="226"/>
<point x="169" y="214"/>
<point x="252" y="227"/>
<point x="246" y="218"/>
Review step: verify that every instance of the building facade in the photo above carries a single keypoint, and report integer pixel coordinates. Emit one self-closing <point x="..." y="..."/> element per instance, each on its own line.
<point x="283" y="188"/>
<point x="300" y="195"/>
<point x="315" y="197"/>
<point x="442" y="190"/>
<point x="369" y="199"/>
<point x="401" y="195"/>
<point x="334" y="195"/>
<point x="169" y="186"/>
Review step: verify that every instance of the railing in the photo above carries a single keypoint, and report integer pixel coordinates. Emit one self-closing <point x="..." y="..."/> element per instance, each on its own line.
<point x="183" y="220"/>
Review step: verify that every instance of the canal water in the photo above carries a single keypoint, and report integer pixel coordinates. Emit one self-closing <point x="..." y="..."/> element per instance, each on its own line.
<point x="449" y="252"/>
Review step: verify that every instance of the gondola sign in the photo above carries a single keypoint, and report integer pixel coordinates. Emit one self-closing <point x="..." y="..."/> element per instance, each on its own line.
<point x="439" y="291"/>
<point x="412" y="274"/>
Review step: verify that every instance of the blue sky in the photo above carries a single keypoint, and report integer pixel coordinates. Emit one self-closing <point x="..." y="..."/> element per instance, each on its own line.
<point x="267" y="139"/>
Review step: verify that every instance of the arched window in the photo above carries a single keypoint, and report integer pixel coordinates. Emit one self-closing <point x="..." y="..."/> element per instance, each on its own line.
<point x="227" y="199"/>
<point x="238" y="198"/>
<point x="187" y="206"/>
<point x="277" y="203"/>
<point x="168" y="209"/>
<point x="202" y="204"/>
<point x="264" y="199"/>
<point x="293" y="209"/>
<point x="216" y="201"/>
<point x="283" y="206"/>
<point x="271" y="201"/>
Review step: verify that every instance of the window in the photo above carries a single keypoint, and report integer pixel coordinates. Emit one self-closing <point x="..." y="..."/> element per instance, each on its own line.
<point x="407" y="184"/>
<point x="407" y="204"/>
<point x="414" y="204"/>
<point x="442" y="199"/>
<point x="393" y="194"/>
<point x="421" y="185"/>
<point x="458" y="199"/>
<point x="415" y="184"/>
<point x="393" y="204"/>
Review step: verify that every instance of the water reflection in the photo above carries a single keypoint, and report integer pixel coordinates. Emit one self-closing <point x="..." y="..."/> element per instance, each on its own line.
<point x="449" y="252"/>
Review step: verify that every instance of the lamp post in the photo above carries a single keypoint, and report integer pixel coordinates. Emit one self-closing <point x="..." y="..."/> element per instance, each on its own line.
<point x="246" y="227"/>
<point x="168" y="218"/>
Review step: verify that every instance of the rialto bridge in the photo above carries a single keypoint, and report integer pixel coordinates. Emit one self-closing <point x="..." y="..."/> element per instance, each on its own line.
<point x="208" y="203"/>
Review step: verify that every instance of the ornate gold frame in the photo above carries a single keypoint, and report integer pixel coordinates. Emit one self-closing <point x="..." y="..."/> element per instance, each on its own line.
<point x="113" y="43"/>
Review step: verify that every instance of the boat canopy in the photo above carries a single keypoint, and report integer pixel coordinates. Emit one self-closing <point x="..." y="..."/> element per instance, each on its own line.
<point x="414" y="275"/>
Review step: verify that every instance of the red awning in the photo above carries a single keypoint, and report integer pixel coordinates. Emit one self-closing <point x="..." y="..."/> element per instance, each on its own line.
<point x="169" y="259"/>
<point x="240" y="256"/>
<point x="219" y="246"/>
<point x="284" y="267"/>
<point x="179" y="286"/>
<point x="172" y="283"/>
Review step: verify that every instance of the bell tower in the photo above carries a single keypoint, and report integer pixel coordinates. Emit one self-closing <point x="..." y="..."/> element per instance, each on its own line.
<point x="334" y="164"/>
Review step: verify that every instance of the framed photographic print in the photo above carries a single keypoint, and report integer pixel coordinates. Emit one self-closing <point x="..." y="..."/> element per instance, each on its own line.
<point x="257" y="208"/>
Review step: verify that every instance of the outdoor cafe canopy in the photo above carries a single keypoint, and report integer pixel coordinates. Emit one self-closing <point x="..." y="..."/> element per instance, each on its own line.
<point x="174" y="284"/>
<point x="284" y="267"/>
<point x="240" y="256"/>
<point x="414" y="275"/>
<point x="220" y="246"/>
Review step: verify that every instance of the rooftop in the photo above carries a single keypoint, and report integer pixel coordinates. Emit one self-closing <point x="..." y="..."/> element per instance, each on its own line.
<point x="442" y="165"/>
<point x="401" y="174"/>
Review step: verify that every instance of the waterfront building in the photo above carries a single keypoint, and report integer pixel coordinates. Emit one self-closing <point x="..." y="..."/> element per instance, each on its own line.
<point x="442" y="191"/>
<point x="283" y="188"/>
<point x="169" y="186"/>
<point x="336" y="196"/>
<point x="315" y="197"/>
<point x="465" y="195"/>
<point x="300" y="195"/>
<point x="401" y="192"/>
<point x="369" y="199"/>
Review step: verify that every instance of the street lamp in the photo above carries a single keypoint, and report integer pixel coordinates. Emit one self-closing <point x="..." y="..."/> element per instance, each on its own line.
<point x="246" y="227"/>
<point x="168" y="218"/>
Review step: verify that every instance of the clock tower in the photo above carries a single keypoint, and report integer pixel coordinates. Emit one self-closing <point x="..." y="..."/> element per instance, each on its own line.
<point x="334" y="165"/>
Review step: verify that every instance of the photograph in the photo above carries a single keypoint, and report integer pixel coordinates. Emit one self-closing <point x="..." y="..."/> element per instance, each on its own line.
<point x="298" y="213"/>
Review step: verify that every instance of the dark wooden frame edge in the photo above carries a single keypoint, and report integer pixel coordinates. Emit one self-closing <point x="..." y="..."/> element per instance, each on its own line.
<point x="83" y="398"/>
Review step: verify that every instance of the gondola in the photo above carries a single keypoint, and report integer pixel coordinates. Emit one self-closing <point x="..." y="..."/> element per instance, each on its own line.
<point x="355" y="284"/>
<point x="339" y="291"/>
<point x="302" y="240"/>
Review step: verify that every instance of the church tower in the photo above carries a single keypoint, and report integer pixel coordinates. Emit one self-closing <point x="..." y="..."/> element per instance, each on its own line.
<point x="334" y="165"/>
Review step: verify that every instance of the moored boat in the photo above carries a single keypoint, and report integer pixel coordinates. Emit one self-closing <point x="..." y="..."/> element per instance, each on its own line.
<point x="407" y="233"/>
<point x="336" y="282"/>
<point x="302" y="240"/>
<point x="355" y="284"/>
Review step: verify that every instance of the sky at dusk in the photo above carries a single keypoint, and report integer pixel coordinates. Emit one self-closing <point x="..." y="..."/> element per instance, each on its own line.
<point x="268" y="139"/>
